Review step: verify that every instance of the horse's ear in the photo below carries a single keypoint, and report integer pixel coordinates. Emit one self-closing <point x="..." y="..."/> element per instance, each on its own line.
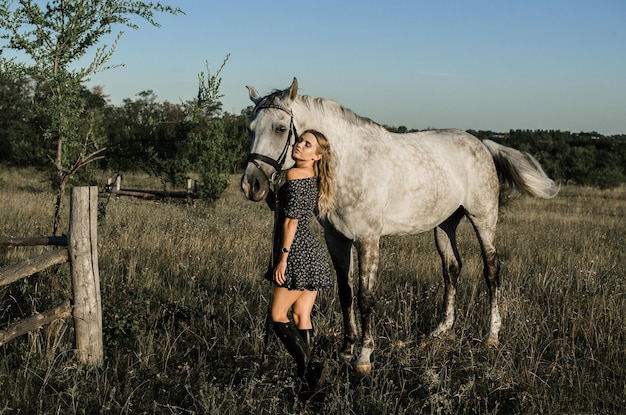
<point x="293" y="89"/>
<point x="254" y="95"/>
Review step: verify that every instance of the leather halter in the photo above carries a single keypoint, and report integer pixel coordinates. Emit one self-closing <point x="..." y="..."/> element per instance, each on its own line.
<point x="277" y="164"/>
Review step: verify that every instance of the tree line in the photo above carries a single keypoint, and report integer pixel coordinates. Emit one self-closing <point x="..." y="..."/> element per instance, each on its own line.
<point x="168" y="140"/>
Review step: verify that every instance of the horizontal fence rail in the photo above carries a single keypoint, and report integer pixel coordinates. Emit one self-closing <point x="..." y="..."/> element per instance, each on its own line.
<point x="34" y="241"/>
<point x="190" y="193"/>
<point x="28" y="267"/>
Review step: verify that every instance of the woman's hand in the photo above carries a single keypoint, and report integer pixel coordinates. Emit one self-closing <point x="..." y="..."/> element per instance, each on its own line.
<point x="279" y="272"/>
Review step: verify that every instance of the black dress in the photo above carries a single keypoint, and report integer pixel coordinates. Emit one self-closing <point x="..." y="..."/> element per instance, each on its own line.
<point x="307" y="263"/>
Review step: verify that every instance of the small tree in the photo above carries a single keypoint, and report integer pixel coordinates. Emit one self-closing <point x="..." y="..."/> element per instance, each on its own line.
<point x="55" y="37"/>
<point x="207" y="143"/>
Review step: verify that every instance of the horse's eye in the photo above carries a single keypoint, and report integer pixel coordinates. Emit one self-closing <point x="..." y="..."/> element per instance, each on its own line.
<point x="280" y="129"/>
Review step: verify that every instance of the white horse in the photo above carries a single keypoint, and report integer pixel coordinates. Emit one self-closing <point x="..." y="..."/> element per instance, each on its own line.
<point x="392" y="184"/>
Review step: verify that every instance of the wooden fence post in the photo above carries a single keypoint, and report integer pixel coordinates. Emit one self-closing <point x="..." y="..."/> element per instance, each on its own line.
<point x="83" y="253"/>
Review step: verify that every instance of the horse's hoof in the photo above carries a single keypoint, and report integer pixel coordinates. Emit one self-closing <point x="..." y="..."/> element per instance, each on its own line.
<point x="363" y="369"/>
<point x="493" y="343"/>
<point x="441" y="330"/>
<point x="347" y="352"/>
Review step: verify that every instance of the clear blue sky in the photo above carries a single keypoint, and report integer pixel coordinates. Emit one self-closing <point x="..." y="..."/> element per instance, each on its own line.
<point x="483" y="65"/>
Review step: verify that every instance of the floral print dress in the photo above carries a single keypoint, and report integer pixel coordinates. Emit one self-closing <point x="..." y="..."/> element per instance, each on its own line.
<point x="307" y="263"/>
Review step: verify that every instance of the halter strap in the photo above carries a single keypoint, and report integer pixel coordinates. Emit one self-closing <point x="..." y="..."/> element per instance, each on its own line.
<point x="277" y="164"/>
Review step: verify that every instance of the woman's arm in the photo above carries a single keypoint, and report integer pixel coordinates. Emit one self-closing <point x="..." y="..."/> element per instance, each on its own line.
<point x="289" y="232"/>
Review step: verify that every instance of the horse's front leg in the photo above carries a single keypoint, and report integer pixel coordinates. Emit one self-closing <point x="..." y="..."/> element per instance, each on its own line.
<point x="368" y="250"/>
<point x="340" y="249"/>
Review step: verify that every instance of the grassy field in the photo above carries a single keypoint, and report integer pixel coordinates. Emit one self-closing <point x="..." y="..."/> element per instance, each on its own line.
<point x="184" y="309"/>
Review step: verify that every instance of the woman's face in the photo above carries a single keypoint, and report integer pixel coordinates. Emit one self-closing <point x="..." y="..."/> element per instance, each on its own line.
<point x="306" y="148"/>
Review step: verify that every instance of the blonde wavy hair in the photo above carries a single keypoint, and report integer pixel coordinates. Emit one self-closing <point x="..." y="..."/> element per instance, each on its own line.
<point x="324" y="172"/>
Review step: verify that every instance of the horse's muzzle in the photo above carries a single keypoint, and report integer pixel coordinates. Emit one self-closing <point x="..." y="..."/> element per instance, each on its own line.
<point x="254" y="184"/>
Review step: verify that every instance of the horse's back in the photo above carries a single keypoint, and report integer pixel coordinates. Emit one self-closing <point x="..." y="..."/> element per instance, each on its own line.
<point x="450" y="161"/>
<point x="426" y="177"/>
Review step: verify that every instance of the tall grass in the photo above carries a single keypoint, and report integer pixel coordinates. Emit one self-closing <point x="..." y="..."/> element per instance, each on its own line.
<point x="184" y="316"/>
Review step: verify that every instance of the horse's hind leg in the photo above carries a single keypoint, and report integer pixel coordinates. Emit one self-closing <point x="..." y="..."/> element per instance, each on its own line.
<point x="486" y="232"/>
<point x="340" y="249"/>
<point x="368" y="250"/>
<point x="445" y="239"/>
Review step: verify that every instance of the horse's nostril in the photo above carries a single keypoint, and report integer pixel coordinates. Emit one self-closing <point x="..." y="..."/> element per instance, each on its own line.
<point x="256" y="186"/>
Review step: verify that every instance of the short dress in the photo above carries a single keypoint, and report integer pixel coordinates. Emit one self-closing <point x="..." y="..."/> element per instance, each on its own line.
<point x="307" y="263"/>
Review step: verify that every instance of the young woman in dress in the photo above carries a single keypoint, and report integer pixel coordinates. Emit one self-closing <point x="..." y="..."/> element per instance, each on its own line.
<point x="301" y="266"/>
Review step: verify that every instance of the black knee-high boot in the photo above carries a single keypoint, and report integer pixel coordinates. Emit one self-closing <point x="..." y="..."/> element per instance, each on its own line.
<point x="315" y="367"/>
<point x="308" y="335"/>
<point x="295" y="345"/>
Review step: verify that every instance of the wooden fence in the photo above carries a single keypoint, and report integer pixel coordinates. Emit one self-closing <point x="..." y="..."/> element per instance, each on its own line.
<point x="116" y="188"/>
<point x="80" y="249"/>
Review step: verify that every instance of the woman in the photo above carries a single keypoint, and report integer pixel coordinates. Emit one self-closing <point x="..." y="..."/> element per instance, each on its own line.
<point x="300" y="265"/>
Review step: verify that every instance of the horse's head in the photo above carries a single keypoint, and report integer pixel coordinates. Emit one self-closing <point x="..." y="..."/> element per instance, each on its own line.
<point x="273" y="136"/>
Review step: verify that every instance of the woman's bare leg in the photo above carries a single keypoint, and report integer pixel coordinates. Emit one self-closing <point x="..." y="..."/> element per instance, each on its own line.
<point x="302" y="309"/>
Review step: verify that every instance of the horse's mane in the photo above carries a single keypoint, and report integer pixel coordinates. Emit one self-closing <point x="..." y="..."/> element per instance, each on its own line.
<point x="326" y="105"/>
<point x="323" y="105"/>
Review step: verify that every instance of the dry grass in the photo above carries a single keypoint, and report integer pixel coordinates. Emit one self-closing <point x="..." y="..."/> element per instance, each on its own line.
<point x="184" y="316"/>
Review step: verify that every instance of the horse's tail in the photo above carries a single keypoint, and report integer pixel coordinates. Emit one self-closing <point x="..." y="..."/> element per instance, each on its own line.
<point x="521" y="171"/>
